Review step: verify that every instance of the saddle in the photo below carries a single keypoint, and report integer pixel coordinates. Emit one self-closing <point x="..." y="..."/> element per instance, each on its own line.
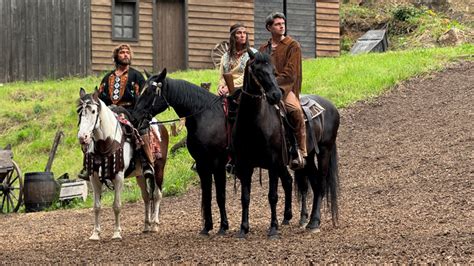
<point x="108" y="154"/>
<point x="314" y="123"/>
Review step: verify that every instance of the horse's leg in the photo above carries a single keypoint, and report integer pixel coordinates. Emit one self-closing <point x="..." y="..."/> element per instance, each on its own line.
<point x="245" y="185"/>
<point x="97" y="190"/>
<point x="157" y="196"/>
<point x="141" y="181"/>
<point x="301" y="180"/>
<point x="118" y="184"/>
<point x="220" y="183"/>
<point x="206" y="188"/>
<point x="287" y="183"/>
<point x="273" y="200"/>
<point x="318" y="188"/>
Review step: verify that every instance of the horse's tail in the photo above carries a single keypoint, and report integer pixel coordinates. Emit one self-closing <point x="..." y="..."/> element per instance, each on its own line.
<point x="332" y="185"/>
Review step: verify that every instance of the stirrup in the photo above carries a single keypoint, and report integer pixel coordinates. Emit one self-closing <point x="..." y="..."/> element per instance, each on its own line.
<point x="298" y="162"/>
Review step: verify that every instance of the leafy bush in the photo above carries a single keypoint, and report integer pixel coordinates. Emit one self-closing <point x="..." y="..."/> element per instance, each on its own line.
<point x="406" y="12"/>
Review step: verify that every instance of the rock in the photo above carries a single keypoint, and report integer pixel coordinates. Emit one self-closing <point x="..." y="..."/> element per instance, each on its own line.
<point x="452" y="37"/>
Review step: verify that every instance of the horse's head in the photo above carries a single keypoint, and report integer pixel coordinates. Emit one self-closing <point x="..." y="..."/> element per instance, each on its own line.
<point x="88" y="108"/>
<point x="261" y="78"/>
<point x="152" y="100"/>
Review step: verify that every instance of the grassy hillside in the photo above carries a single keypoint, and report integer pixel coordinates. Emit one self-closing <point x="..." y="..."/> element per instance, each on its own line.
<point x="407" y="26"/>
<point x="31" y="113"/>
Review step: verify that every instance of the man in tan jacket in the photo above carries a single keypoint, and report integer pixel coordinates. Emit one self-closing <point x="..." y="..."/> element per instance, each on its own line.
<point x="286" y="56"/>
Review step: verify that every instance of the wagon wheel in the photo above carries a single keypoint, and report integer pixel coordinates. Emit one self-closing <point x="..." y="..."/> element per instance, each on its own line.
<point x="11" y="194"/>
<point x="218" y="51"/>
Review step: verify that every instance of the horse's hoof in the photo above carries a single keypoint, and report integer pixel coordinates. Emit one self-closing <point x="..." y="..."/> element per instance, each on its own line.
<point x="273" y="237"/>
<point x="312" y="228"/>
<point x="303" y="223"/>
<point x="242" y="234"/>
<point x="117" y="236"/>
<point x="221" y="232"/>
<point x="285" y="222"/>
<point x="273" y="233"/>
<point x="94" y="237"/>
<point x="146" y="229"/>
<point x="204" y="233"/>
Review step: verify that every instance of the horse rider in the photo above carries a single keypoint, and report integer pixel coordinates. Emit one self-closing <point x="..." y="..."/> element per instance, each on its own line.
<point x="122" y="87"/>
<point x="232" y="65"/>
<point x="231" y="73"/>
<point x="286" y="57"/>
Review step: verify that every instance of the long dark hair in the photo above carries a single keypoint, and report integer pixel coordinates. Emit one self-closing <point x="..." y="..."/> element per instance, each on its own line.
<point x="232" y="39"/>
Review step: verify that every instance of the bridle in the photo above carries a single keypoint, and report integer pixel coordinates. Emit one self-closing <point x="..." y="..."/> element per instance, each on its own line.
<point x="160" y="93"/>
<point x="82" y="105"/>
<point x="254" y="78"/>
<point x="157" y="93"/>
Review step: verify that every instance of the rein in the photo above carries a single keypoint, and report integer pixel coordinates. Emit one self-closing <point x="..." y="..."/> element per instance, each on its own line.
<point x="157" y="94"/>
<point x="262" y="91"/>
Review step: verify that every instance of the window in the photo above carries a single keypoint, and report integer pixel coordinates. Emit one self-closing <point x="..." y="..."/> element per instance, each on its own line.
<point x="125" y="20"/>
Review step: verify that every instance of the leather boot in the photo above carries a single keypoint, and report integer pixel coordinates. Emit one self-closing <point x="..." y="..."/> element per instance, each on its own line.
<point x="147" y="158"/>
<point x="300" y="134"/>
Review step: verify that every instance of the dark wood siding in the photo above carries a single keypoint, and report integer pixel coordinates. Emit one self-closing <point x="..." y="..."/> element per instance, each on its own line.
<point x="301" y="24"/>
<point x="262" y="9"/>
<point x="44" y="39"/>
<point x="170" y="40"/>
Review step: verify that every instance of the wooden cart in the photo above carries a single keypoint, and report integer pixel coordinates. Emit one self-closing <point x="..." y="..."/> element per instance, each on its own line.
<point x="11" y="182"/>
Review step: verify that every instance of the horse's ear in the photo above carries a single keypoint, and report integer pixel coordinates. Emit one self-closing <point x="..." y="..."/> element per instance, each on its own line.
<point x="147" y="74"/>
<point x="162" y="75"/>
<point x="251" y="53"/>
<point x="82" y="92"/>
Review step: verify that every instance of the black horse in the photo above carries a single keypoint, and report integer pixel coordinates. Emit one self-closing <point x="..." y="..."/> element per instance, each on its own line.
<point x="259" y="141"/>
<point x="258" y="137"/>
<point x="206" y="140"/>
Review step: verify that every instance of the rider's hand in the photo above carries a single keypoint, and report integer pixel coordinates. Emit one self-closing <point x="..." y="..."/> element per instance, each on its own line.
<point x="222" y="90"/>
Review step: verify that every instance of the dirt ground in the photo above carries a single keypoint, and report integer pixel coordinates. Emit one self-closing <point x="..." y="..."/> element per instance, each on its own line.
<point x="406" y="167"/>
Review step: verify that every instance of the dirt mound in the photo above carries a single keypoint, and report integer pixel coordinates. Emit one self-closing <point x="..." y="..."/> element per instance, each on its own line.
<point x="407" y="196"/>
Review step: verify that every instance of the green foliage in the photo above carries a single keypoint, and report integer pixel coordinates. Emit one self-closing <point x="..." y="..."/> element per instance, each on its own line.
<point x="407" y="26"/>
<point x="406" y="12"/>
<point x="343" y="80"/>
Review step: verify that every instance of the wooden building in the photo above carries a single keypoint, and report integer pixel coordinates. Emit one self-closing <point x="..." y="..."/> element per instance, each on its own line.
<point x="187" y="30"/>
<point x="59" y="38"/>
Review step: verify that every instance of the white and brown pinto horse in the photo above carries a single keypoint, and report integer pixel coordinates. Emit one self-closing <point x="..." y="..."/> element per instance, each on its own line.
<point x="101" y="134"/>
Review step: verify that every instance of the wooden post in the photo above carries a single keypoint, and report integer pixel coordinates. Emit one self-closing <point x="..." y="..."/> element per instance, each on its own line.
<point x="52" y="153"/>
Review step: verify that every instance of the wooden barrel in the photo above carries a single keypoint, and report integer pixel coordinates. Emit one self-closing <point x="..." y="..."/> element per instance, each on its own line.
<point x="40" y="191"/>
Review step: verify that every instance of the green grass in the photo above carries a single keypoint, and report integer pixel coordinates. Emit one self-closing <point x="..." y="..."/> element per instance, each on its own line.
<point x="31" y="113"/>
<point x="407" y="26"/>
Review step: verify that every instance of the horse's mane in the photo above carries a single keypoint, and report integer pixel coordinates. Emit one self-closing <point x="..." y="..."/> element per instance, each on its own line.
<point x="191" y="95"/>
